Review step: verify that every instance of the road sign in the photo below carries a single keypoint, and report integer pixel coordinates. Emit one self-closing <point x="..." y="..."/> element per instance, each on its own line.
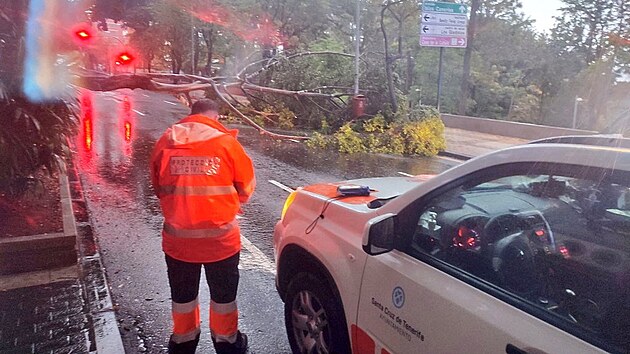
<point x="444" y="7"/>
<point x="443" y="24"/>
<point x="437" y="30"/>
<point x="432" y="18"/>
<point x="443" y="41"/>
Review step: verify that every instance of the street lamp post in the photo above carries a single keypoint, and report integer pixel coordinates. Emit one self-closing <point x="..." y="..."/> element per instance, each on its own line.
<point x="357" y="33"/>
<point x="575" y="107"/>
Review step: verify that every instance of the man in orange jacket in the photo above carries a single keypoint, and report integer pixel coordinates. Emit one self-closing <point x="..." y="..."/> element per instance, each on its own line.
<point x="201" y="174"/>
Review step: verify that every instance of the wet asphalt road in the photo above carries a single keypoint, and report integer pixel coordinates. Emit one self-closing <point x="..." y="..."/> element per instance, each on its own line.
<point x="117" y="134"/>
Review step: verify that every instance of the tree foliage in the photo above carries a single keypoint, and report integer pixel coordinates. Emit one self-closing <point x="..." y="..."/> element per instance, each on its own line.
<point x="509" y="70"/>
<point x="260" y="50"/>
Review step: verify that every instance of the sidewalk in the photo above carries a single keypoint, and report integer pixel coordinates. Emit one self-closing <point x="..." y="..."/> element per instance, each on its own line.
<point x="62" y="310"/>
<point x="464" y="144"/>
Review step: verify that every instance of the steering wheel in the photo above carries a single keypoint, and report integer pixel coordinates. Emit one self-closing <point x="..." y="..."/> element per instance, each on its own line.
<point x="498" y="227"/>
<point x="532" y="224"/>
<point x="515" y="265"/>
<point x="507" y="243"/>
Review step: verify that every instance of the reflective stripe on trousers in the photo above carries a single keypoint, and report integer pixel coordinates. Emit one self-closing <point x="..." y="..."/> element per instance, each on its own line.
<point x="224" y="321"/>
<point x="199" y="233"/>
<point x="185" y="321"/>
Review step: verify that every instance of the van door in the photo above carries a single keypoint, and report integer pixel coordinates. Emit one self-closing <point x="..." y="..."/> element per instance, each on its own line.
<point x="505" y="261"/>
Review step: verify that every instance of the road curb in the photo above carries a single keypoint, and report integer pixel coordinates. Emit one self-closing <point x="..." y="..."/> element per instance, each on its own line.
<point x="455" y="155"/>
<point x="107" y="336"/>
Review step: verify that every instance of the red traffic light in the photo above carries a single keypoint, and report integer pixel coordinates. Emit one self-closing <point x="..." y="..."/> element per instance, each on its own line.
<point x="82" y="34"/>
<point x="124" y="58"/>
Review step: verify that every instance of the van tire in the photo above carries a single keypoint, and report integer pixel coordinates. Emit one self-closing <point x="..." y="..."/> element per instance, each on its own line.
<point x="314" y="317"/>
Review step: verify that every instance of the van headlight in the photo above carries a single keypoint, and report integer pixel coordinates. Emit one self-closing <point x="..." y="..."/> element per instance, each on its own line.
<point x="287" y="204"/>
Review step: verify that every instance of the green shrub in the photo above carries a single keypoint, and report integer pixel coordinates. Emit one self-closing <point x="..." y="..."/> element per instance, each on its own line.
<point x="33" y="136"/>
<point x="373" y="143"/>
<point x="415" y="136"/>
<point x="324" y="127"/>
<point x="348" y="140"/>
<point x="393" y="143"/>
<point x="319" y="141"/>
<point x="421" y="113"/>
<point x="260" y="120"/>
<point x="375" y="125"/>
<point x="285" y="119"/>
<point x="424" y="138"/>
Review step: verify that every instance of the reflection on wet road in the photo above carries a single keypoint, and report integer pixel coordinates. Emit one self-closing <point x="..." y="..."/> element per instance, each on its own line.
<point x="117" y="134"/>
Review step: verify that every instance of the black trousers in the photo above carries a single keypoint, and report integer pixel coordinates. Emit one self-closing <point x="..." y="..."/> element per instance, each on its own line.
<point x="222" y="277"/>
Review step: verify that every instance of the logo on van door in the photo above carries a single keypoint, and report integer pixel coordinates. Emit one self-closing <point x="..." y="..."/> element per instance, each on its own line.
<point x="398" y="297"/>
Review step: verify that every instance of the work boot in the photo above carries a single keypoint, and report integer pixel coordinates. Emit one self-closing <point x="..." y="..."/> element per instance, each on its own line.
<point x="183" y="348"/>
<point x="238" y="347"/>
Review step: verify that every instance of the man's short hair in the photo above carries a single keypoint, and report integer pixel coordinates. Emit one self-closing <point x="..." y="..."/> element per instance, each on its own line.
<point x="204" y="105"/>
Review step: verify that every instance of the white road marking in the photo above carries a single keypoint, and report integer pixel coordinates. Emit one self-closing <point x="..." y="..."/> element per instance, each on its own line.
<point x="140" y="113"/>
<point x="174" y="104"/>
<point x="405" y="174"/>
<point x="281" y="186"/>
<point x="145" y="95"/>
<point x="256" y="259"/>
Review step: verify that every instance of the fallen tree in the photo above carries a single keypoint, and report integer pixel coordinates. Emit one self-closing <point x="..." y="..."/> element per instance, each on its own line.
<point x="220" y="87"/>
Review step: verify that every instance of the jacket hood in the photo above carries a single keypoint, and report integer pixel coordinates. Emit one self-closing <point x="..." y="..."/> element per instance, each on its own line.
<point x="196" y="128"/>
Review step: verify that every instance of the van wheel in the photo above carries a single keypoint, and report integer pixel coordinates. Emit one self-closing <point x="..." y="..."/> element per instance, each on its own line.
<point x="314" y="318"/>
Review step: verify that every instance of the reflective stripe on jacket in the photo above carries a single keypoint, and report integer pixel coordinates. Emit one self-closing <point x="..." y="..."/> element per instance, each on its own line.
<point x="201" y="175"/>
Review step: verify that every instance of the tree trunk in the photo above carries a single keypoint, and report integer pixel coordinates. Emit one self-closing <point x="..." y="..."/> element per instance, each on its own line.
<point x="465" y="86"/>
<point x="177" y="61"/>
<point x="393" y="101"/>
<point x="196" y="56"/>
<point x="208" y="37"/>
<point x="389" y="63"/>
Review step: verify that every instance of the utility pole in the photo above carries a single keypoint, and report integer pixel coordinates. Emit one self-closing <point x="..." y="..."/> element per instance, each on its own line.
<point x="439" y="93"/>
<point x="357" y="33"/>
<point x="192" y="43"/>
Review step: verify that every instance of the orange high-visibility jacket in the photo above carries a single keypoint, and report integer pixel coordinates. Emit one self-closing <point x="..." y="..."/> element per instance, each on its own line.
<point x="201" y="174"/>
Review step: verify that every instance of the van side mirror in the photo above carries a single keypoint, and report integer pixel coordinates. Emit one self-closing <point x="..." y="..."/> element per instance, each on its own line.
<point x="378" y="235"/>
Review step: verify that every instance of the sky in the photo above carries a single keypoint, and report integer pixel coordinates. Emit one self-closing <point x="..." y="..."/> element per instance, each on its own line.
<point x="542" y="11"/>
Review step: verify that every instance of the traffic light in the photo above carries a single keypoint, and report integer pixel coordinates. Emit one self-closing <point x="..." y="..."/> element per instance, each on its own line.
<point x="82" y="34"/>
<point x="124" y="58"/>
